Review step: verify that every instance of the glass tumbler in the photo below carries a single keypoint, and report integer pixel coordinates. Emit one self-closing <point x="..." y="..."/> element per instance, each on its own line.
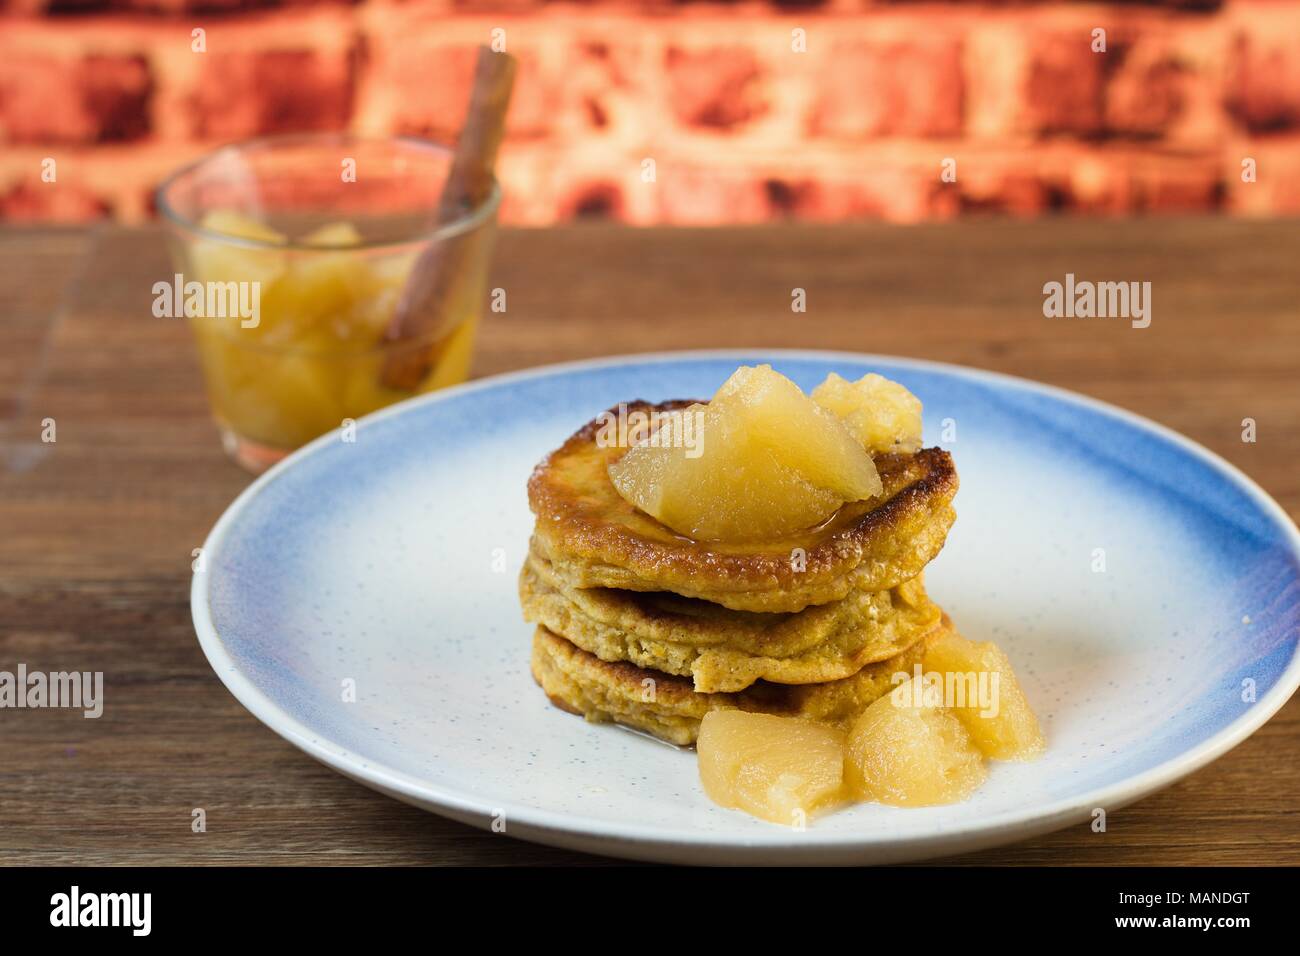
<point x="291" y="255"/>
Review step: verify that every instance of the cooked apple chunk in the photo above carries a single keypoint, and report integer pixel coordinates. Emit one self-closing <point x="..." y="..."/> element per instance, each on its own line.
<point x="994" y="710"/>
<point x="780" y="769"/>
<point x="911" y="755"/>
<point x="780" y="419"/>
<point x="231" y="223"/>
<point x="219" y="260"/>
<point x="881" y="414"/>
<point x="767" y="462"/>
<point x="333" y="235"/>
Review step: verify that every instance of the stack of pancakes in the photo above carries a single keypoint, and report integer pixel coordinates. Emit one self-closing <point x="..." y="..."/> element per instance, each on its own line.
<point x="639" y="625"/>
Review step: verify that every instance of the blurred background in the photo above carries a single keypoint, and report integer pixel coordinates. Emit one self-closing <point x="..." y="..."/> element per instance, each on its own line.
<point x="835" y="110"/>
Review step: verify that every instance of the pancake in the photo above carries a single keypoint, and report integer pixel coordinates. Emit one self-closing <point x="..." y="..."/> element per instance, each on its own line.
<point x="724" y="650"/>
<point x="594" y="538"/>
<point x="669" y="708"/>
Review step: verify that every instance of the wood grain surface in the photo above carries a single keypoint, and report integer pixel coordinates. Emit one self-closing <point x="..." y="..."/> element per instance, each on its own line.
<point x="96" y="530"/>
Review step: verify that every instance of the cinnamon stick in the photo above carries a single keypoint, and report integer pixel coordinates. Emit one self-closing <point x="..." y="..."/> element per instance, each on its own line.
<point x="428" y="299"/>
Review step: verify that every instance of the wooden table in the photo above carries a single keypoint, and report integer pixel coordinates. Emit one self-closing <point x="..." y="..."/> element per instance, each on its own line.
<point x="96" y="529"/>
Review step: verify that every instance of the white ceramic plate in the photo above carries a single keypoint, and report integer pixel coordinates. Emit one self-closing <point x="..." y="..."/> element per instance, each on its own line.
<point x="390" y="562"/>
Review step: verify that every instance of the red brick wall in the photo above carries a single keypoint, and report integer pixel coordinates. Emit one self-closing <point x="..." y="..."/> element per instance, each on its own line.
<point x="741" y="126"/>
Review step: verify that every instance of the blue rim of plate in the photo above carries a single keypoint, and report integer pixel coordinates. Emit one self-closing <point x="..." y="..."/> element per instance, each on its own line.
<point x="536" y="824"/>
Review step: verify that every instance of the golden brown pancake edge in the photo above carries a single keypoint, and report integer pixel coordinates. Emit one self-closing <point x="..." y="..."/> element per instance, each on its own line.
<point x="667" y="706"/>
<point x="724" y="650"/>
<point x="597" y="539"/>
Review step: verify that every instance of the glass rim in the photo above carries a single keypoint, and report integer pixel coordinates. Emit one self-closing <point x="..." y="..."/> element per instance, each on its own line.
<point x="471" y="220"/>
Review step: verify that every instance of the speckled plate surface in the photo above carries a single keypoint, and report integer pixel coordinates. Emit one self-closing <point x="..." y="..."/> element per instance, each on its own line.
<point x="1147" y="592"/>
